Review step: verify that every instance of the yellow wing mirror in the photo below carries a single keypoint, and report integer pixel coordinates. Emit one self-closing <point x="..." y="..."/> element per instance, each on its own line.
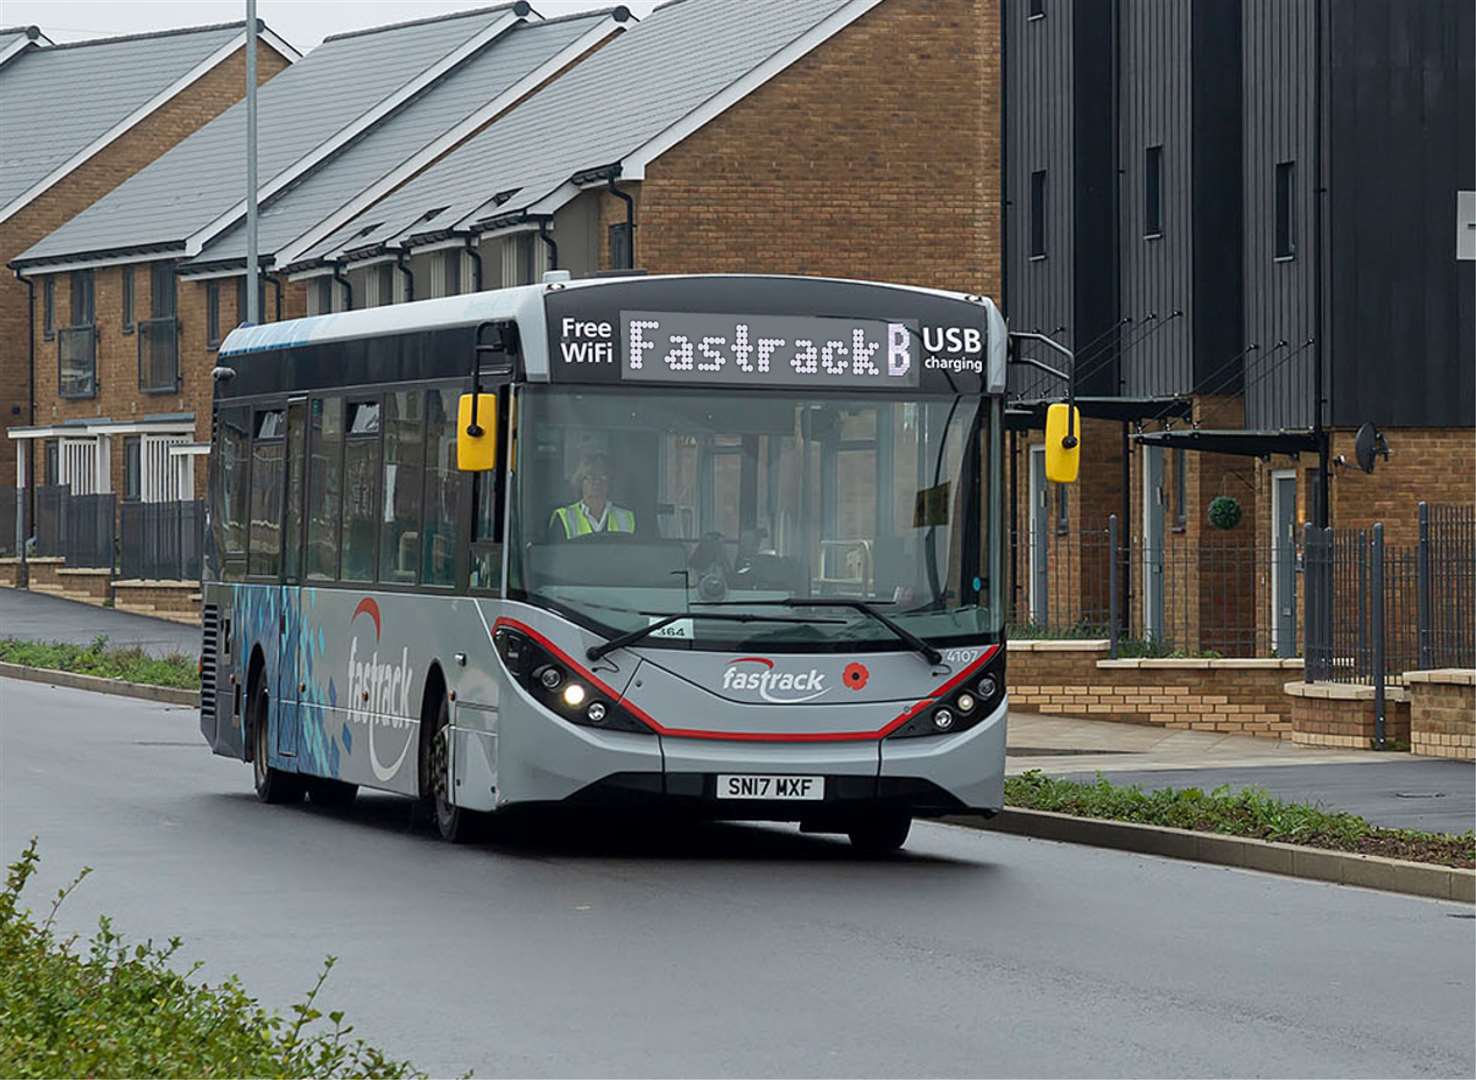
<point x="476" y="432"/>
<point x="1062" y="443"/>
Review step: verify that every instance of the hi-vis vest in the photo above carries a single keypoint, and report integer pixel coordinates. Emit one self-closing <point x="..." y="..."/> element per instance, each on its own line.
<point x="576" y="522"/>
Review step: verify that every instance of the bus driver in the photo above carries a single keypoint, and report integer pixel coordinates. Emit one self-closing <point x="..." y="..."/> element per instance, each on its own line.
<point x="593" y="511"/>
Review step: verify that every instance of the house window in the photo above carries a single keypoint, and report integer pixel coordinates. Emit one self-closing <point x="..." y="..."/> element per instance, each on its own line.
<point x="1038" y="214"/>
<point x="453" y="272"/>
<point x="621" y="257"/>
<point x="158" y="337"/>
<point x="128" y="299"/>
<point x="1181" y="487"/>
<point x="384" y="281"/>
<point x="1036" y="9"/>
<point x="82" y="298"/>
<point x="77" y="342"/>
<point x="1063" y="507"/>
<point x="212" y="314"/>
<point x="1286" y="210"/>
<point x="320" y="298"/>
<point x="162" y="291"/>
<point x="1153" y="192"/>
<point x="48" y="308"/>
<point x="132" y="467"/>
<point x="52" y="469"/>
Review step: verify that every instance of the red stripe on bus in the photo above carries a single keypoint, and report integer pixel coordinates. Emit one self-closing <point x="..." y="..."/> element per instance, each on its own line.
<point x="752" y="736"/>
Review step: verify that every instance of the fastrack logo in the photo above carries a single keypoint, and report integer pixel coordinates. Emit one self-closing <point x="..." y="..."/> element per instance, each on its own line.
<point x="379" y="691"/>
<point x="756" y="673"/>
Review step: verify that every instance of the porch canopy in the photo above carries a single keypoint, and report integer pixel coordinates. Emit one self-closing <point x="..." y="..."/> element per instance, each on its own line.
<point x="84" y="454"/>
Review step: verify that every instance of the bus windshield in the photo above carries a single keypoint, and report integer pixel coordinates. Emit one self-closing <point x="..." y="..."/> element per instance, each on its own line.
<point x="631" y="507"/>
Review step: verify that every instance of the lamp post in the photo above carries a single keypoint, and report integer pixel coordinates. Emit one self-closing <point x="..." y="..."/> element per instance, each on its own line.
<point x="253" y="299"/>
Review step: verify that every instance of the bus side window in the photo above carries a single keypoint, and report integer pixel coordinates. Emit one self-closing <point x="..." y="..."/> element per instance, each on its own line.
<point x="265" y="538"/>
<point x="325" y="487"/>
<point x="404" y="438"/>
<point x="442" y="490"/>
<point x="235" y="465"/>
<point x="360" y="491"/>
<point x="292" y="518"/>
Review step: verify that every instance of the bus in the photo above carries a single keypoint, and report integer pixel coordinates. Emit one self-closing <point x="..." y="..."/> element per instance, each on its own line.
<point x="723" y="545"/>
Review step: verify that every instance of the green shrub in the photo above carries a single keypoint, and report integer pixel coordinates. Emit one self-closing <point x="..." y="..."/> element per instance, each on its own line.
<point x="130" y="664"/>
<point x="112" y="1009"/>
<point x="1248" y="812"/>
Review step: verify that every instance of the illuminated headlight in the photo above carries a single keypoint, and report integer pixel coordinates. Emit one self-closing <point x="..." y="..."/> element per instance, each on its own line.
<point x="573" y="695"/>
<point x="596" y="712"/>
<point x="965" y="702"/>
<point x="943" y="719"/>
<point x="987" y="687"/>
<point x="550" y="677"/>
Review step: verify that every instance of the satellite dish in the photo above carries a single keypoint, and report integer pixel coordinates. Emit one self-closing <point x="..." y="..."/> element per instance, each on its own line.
<point x="1369" y="444"/>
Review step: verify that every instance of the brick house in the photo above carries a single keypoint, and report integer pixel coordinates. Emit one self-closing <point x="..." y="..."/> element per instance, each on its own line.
<point x="357" y="115"/>
<point x="1252" y="257"/>
<point x="79" y="119"/>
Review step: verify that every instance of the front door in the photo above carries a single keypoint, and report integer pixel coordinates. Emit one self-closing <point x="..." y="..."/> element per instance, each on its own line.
<point x="1153" y="542"/>
<point x="289" y="639"/>
<point x="1040" y="532"/>
<point x="1284" y="563"/>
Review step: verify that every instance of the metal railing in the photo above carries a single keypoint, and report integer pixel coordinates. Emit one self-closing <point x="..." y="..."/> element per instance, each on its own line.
<point x="76" y="361"/>
<point x="78" y="528"/>
<point x="1209" y="598"/>
<point x="162" y="541"/>
<point x="158" y="354"/>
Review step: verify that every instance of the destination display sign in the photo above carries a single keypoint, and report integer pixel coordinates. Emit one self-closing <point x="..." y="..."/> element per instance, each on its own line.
<point x="759" y="333"/>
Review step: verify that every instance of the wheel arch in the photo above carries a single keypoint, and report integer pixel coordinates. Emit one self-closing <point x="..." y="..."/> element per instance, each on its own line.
<point x="430" y="704"/>
<point x="255" y="672"/>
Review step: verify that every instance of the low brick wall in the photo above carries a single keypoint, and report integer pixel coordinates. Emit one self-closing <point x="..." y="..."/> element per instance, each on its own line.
<point x="178" y="601"/>
<point x="91" y="586"/>
<point x="11" y="576"/>
<point x="44" y="573"/>
<point x="1075" y="678"/>
<point x="1442" y="712"/>
<point x="1342" y="715"/>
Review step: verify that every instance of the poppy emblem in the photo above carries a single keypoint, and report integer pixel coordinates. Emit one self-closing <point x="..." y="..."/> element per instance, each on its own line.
<point x="856" y="676"/>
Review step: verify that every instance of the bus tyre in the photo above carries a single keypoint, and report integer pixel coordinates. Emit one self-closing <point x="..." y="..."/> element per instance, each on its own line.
<point x="880" y="835"/>
<point x="458" y="825"/>
<point x="272" y="785"/>
<point x="331" y="794"/>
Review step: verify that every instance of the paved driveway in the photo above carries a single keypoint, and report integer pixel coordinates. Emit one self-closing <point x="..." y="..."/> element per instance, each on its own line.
<point x="38" y="617"/>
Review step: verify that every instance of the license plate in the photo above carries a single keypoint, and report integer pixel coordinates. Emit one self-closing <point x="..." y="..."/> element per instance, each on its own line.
<point x="751" y="786"/>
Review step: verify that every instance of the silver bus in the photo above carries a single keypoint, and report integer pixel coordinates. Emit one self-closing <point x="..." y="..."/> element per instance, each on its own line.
<point x="728" y="546"/>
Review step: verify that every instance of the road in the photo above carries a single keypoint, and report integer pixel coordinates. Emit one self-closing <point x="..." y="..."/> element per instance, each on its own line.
<point x="728" y="950"/>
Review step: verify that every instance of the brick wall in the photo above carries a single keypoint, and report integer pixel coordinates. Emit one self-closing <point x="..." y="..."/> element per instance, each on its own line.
<point x="1342" y="715"/>
<point x="197" y="104"/>
<point x="1242" y="697"/>
<point x="1442" y="713"/>
<point x="876" y="156"/>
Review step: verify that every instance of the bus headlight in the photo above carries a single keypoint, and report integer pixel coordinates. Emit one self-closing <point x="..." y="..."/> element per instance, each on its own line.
<point x="561" y="686"/>
<point x="964" y="708"/>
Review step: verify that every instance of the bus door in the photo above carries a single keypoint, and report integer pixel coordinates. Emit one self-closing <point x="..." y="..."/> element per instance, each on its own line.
<point x="290" y="637"/>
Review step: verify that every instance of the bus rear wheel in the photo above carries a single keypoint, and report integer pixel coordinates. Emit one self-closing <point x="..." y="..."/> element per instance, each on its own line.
<point x="272" y="785"/>
<point x="455" y="824"/>
<point x="881" y="834"/>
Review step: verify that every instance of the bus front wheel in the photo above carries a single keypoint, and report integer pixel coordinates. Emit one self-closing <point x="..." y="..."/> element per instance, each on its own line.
<point x="881" y="834"/>
<point x="272" y="785"/>
<point x="456" y="824"/>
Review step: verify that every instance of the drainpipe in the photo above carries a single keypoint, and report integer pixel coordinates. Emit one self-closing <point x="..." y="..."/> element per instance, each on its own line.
<point x="402" y="261"/>
<point x="348" y="286"/>
<point x="547" y="238"/>
<point x="476" y="258"/>
<point x="630" y="218"/>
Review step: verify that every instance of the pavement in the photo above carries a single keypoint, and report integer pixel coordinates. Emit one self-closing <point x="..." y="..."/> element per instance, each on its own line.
<point x="38" y="617"/>
<point x="581" y="947"/>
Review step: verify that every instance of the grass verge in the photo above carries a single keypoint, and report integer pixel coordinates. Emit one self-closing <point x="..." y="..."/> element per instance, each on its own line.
<point x="130" y="664"/>
<point x="1249" y="812"/>
<point x="106" y="1008"/>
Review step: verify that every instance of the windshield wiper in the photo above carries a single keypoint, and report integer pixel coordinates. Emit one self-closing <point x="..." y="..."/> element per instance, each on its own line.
<point x="907" y="637"/>
<point x="595" y="652"/>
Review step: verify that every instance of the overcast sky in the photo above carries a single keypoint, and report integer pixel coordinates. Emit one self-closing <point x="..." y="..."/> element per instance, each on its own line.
<point x="304" y="23"/>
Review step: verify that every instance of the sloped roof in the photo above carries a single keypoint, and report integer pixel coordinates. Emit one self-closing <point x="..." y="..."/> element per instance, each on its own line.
<point x="13" y="40"/>
<point x="57" y="100"/>
<point x="651" y="77"/>
<point x="320" y="97"/>
<point x="467" y="90"/>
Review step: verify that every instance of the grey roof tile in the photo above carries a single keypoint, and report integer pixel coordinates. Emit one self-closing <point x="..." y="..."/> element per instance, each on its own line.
<point x="461" y="93"/>
<point x="596" y="114"/>
<point x="297" y="111"/>
<point x="58" y="100"/>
